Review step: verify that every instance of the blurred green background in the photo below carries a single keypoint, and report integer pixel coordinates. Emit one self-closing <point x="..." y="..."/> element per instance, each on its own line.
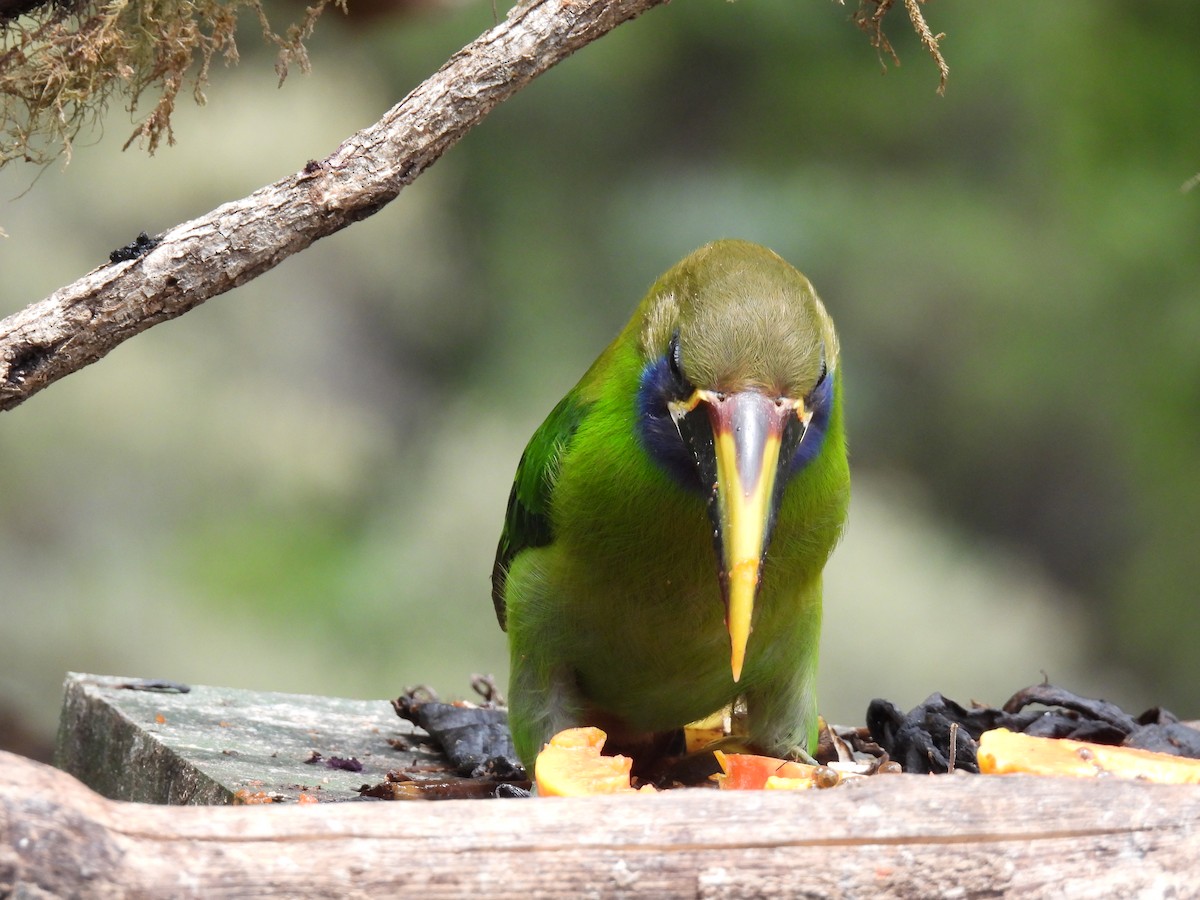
<point x="299" y="485"/>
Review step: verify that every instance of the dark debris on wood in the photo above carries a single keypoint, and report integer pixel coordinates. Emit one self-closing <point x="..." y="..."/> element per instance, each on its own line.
<point x="474" y="739"/>
<point x="937" y="736"/>
<point x="921" y="739"/>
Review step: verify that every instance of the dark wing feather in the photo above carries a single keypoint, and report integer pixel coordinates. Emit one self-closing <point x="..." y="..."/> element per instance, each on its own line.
<point x="527" y="523"/>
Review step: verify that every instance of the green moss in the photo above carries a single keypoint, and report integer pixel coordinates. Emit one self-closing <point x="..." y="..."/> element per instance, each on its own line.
<point x="62" y="63"/>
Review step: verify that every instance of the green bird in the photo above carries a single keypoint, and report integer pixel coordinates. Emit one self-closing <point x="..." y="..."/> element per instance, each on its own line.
<point x="669" y="522"/>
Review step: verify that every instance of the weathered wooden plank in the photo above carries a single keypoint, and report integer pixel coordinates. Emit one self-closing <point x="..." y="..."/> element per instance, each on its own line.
<point x="896" y="836"/>
<point x="203" y="746"/>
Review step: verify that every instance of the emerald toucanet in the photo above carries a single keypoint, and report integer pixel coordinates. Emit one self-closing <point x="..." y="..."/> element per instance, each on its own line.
<point x="712" y="423"/>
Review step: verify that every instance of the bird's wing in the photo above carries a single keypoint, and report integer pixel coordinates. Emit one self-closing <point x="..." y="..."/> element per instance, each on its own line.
<point x="527" y="522"/>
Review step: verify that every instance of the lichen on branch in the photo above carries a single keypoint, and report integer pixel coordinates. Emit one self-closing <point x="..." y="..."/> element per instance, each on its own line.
<point x="63" y="61"/>
<point x="869" y="17"/>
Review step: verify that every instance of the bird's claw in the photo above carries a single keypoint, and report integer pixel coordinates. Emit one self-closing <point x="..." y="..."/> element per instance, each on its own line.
<point x="801" y="755"/>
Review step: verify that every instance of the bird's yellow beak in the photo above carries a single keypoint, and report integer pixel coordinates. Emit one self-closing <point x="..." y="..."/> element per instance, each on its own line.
<point x="738" y="450"/>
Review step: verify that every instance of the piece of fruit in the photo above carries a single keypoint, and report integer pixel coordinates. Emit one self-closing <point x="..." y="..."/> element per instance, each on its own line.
<point x="571" y="765"/>
<point x="776" y="783"/>
<point x="747" y="772"/>
<point x="1003" y="752"/>
<point x="707" y="731"/>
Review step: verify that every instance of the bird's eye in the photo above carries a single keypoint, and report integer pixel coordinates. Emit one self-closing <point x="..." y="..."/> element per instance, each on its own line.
<point x="824" y="369"/>
<point x="824" y="373"/>
<point x="675" y="362"/>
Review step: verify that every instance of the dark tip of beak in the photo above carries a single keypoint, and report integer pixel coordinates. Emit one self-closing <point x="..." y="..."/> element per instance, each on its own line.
<point x="752" y="420"/>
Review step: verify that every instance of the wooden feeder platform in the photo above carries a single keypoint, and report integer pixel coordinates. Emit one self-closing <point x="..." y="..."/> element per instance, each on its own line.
<point x="112" y="823"/>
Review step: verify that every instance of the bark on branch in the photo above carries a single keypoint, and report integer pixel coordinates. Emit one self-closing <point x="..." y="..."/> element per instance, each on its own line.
<point x="80" y="323"/>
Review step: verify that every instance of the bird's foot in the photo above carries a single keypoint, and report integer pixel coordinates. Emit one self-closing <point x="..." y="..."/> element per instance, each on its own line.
<point x="801" y="755"/>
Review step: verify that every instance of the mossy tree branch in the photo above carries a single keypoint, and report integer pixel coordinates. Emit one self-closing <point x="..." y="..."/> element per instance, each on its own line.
<point x="160" y="279"/>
